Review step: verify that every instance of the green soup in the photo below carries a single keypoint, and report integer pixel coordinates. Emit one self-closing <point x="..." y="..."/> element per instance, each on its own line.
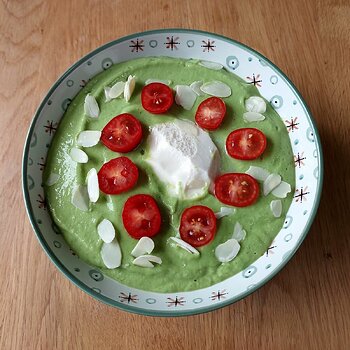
<point x="179" y="271"/>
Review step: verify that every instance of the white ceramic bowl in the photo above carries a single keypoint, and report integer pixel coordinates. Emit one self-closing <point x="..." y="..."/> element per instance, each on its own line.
<point x="254" y="69"/>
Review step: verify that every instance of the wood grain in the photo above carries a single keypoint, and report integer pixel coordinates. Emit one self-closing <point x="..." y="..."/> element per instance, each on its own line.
<point x="306" y="306"/>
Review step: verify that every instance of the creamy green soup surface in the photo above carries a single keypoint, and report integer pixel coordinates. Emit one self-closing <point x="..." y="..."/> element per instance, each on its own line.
<point x="180" y="270"/>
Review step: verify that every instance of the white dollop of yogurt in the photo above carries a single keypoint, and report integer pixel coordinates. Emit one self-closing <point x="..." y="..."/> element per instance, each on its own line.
<point x="184" y="158"/>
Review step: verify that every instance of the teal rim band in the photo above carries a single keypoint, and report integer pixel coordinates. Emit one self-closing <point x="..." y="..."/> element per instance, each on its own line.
<point x="137" y="310"/>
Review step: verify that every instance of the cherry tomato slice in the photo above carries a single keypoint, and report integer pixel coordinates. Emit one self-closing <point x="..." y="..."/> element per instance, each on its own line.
<point x="236" y="189"/>
<point x="246" y="143"/>
<point x="198" y="225"/>
<point x="122" y="134"/>
<point x="141" y="216"/>
<point x="117" y="176"/>
<point x="157" y="98"/>
<point x="210" y="113"/>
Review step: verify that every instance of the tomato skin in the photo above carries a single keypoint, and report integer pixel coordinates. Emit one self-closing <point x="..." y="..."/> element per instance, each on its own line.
<point x="198" y="225"/>
<point x="122" y="134"/>
<point x="157" y="98"/>
<point x="141" y="216"/>
<point x="117" y="176"/>
<point x="246" y="143"/>
<point x="210" y="113"/>
<point x="236" y="189"/>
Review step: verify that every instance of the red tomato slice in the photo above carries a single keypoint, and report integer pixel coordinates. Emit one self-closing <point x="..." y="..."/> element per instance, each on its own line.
<point x="246" y="143"/>
<point x="157" y="98"/>
<point x="238" y="190"/>
<point x="210" y="113"/>
<point x="117" y="176"/>
<point x="198" y="225"/>
<point x="122" y="134"/>
<point x="141" y="216"/>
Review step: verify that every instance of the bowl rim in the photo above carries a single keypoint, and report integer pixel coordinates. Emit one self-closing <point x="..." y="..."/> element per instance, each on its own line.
<point x="143" y="311"/>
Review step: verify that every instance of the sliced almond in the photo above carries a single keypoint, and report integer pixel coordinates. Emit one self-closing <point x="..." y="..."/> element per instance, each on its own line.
<point x="282" y="190"/>
<point x="88" y="138"/>
<point x="250" y="117"/>
<point x="52" y="179"/>
<point x="238" y="233"/>
<point x="146" y="260"/>
<point x="152" y="258"/>
<point x="111" y="254"/>
<point x="91" y="108"/>
<point x="211" y="65"/>
<point x="238" y="227"/>
<point x="255" y="104"/>
<point x="107" y="89"/>
<point x="110" y="204"/>
<point x="184" y="245"/>
<point x="142" y="262"/>
<point x="143" y="246"/>
<point x="116" y="90"/>
<point x="185" y="96"/>
<point x="241" y="235"/>
<point x="227" y="251"/>
<point x="224" y="211"/>
<point x="276" y="208"/>
<point x="92" y="185"/>
<point x="258" y="173"/>
<point x="129" y="87"/>
<point x="78" y="155"/>
<point x="216" y="88"/>
<point x="150" y="81"/>
<point x="196" y="87"/>
<point x="80" y="198"/>
<point x="106" y="231"/>
<point x="271" y="182"/>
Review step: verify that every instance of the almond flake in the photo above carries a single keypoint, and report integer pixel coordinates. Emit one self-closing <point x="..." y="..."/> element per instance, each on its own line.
<point x="116" y="90"/>
<point x="91" y="108"/>
<point x="106" y="231"/>
<point x="150" y="81"/>
<point x="216" y="88"/>
<point x="146" y="260"/>
<point x="238" y="227"/>
<point x="238" y="233"/>
<point x="185" y="96"/>
<point x="276" y="208"/>
<point x="282" y="190"/>
<point x="129" y="87"/>
<point x="78" y="155"/>
<point x="271" y="182"/>
<point x="89" y="138"/>
<point x="52" y="179"/>
<point x="107" y="89"/>
<point x="142" y="262"/>
<point x="227" y="251"/>
<point x="110" y="204"/>
<point x="92" y="185"/>
<point x="152" y="258"/>
<point x="144" y="245"/>
<point x="224" y="211"/>
<point x="211" y="65"/>
<point x="111" y="254"/>
<point x="258" y="173"/>
<point x="80" y="198"/>
<point x="255" y="104"/>
<point x="196" y="87"/>
<point x="250" y="117"/>
<point x="184" y="245"/>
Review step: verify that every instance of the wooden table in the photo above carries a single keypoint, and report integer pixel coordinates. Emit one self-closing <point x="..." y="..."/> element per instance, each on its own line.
<point x="306" y="306"/>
